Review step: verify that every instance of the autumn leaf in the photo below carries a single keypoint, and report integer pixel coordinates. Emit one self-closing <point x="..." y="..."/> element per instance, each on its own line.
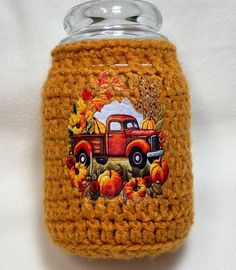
<point x="102" y="79"/>
<point x="159" y="125"/>
<point x="119" y="88"/>
<point x="74" y="119"/>
<point x="83" y="113"/>
<point x="89" y="115"/>
<point x="108" y="95"/>
<point x="77" y="131"/>
<point x="81" y="105"/>
<point x="105" y="85"/>
<point x="87" y="94"/>
<point x="115" y="84"/>
<point x="97" y="103"/>
<point x="115" y="80"/>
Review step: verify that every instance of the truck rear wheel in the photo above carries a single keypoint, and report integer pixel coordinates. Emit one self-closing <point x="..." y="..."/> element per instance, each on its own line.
<point x="137" y="158"/>
<point x="83" y="158"/>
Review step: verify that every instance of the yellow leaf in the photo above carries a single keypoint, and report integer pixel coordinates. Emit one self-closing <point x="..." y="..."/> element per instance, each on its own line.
<point x="89" y="115"/>
<point x="97" y="103"/>
<point x="81" y="105"/>
<point x="77" y="131"/>
<point x="74" y="119"/>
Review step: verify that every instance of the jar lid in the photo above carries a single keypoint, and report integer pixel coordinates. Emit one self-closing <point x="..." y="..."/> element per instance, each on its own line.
<point x="107" y="19"/>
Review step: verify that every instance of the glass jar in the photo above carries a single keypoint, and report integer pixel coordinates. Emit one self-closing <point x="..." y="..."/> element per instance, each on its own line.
<point x="116" y="121"/>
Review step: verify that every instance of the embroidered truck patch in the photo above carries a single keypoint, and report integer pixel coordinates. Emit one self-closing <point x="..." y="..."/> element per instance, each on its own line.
<point x="115" y="151"/>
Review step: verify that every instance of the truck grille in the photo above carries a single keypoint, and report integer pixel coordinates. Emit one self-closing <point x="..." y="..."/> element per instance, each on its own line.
<point x="154" y="143"/>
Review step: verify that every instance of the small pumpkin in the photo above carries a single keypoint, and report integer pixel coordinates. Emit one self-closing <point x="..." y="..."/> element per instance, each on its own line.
<point x="148" y="123"/>
<point x="110" y="183"/>
<point x="135" y="189"/>
<point x="99" y="128"/>
<point x="159" y="171"/>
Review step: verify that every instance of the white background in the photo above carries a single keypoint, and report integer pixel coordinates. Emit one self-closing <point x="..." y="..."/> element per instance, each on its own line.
<point x="205" y="35"/>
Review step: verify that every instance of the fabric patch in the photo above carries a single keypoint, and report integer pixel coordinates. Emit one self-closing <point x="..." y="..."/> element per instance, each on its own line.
<point x="115" y="149"/>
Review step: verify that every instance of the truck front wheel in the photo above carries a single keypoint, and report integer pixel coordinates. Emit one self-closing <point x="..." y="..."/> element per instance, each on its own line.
<point x="83" y="158"/>
<point x="137" y="158"/>
<point x="102" y="161"/>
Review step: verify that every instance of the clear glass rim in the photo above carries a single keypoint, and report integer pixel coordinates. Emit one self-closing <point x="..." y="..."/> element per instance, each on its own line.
<point x="112" y="19"/>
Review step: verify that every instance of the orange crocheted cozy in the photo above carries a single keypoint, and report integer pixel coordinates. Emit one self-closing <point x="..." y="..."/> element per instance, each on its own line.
<point x="116" y="135"/>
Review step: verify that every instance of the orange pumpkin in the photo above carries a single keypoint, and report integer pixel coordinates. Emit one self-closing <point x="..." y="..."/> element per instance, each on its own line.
<point x="159" y="171"/>
<point x="135" y="189"/>
<point x="148" y="123"/>
<point x="110" y="183"/>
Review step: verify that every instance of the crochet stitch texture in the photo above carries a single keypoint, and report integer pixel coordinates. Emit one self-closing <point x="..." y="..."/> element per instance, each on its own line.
<point x="106" y="228"/>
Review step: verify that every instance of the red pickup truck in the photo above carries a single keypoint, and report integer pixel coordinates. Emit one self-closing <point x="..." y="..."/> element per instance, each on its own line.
<point x="122" y="138"/>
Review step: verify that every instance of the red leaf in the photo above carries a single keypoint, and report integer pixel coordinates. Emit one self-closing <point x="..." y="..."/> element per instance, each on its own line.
<point x="115" y="80"/>
<point x="87" y="94"/>
<point x="108" y="94"/>
<point x="101" y="79"/>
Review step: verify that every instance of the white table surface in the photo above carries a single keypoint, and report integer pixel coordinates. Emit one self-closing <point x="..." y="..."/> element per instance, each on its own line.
<point x="205" y="34"/>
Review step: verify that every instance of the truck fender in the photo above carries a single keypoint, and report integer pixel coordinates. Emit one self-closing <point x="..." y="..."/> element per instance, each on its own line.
<point x="140" y="143"/>
<point x="83" y="144"/>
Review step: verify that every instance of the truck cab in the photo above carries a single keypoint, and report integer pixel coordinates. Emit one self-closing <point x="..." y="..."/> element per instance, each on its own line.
<point x="125" y="138"/>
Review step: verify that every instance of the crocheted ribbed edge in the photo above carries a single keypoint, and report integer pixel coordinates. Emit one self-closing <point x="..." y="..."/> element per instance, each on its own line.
<point x="87" y="45"/>
<point x="131" y="252"/>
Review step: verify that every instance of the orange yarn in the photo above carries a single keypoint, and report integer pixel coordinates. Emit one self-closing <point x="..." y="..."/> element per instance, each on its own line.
<point x="107" y="228"/>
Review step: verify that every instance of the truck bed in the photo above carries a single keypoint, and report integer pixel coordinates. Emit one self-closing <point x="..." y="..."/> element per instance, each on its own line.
<point x="97" y="142"/>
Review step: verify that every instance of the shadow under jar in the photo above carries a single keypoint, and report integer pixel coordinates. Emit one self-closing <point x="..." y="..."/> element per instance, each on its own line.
<point x="116" y="121"/>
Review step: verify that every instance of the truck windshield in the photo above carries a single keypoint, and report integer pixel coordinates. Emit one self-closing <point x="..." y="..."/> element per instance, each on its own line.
<point x="131" y="125"/>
